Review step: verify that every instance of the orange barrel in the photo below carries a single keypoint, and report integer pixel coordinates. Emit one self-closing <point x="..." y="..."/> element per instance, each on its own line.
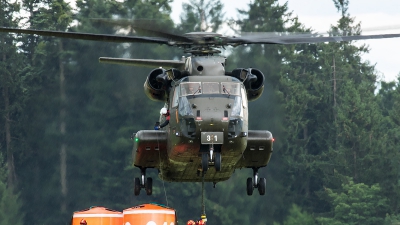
<point x="98" y="216"/>
<point x="149" y="214"/>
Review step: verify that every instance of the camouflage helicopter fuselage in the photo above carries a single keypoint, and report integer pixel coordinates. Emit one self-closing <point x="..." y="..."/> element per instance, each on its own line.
<point x="208" y="116"/>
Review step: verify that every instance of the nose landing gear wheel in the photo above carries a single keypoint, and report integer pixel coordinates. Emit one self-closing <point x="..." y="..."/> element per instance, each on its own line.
<point x="250" y="186"/>
<point x="217" y="161"/>
<point x="204" y="162"/>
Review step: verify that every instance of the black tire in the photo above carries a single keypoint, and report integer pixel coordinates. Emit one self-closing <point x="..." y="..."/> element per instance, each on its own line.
<point x="149" y="186"/>
<point x="250" y="186"/>
<point x="217" y="161"/>
<point x="262" y="183"/>
<point x="204" y="162"/>
<point x="137" y="186"/>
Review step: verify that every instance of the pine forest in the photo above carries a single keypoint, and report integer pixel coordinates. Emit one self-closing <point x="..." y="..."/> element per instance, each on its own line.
<point x="66" y="120"/>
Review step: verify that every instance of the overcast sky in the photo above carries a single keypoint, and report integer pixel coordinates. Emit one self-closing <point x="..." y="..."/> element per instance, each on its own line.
<point x="381" y="16"/>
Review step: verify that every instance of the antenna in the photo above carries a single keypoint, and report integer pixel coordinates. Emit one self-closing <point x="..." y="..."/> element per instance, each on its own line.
<point x="203" y="23"/>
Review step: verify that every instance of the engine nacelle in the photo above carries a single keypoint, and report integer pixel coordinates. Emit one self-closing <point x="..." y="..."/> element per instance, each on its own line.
<point x="253" y="80"/>
<point x="156" y="85"/>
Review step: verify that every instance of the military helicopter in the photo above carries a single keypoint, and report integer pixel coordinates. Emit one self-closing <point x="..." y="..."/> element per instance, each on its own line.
<point x="207" y="138"/>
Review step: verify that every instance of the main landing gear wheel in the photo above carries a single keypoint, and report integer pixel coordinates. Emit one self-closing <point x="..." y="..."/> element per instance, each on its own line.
<point x="137" y="186"/>
<point x="217" y="161"/>
<point x="142" y="182"/>
<point x="262" y="183"/>
<point x="259" y="183"/>
<point x="250" y="186"/>
<point x="149" y="186"/>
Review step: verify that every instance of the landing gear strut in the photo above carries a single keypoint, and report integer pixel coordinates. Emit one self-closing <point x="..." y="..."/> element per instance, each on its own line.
<point x="143" y="182"/>
<point x="259" y="183"/>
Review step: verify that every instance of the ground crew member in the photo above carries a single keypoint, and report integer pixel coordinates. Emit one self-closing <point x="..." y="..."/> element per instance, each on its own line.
<point x="201" y="222"/>
<point x="191" y="222"/>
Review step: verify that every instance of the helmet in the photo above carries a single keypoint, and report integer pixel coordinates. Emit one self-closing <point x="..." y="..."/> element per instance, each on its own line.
<point x="163" y="111"/>
<point x="191" y="222"/>
<point x="83" y="222"/>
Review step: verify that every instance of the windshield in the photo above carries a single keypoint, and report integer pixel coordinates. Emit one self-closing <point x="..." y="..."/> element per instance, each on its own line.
<point x="210" y="87"/>
<point x="229" y="88"/>
<point x="198" y="88"/>
<point x="190" y="88"/>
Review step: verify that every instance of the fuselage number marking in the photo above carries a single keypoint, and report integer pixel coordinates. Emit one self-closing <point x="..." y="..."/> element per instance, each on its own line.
<point x="212" y="138"/>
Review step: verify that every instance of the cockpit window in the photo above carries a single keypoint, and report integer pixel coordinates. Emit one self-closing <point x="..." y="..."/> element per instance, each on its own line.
<point x="190" y="88"/>
<point x="237" y="107"/>
<point x="211" y="88"/>
<point x="184" y="107"/>
<point x="229" y="88"/>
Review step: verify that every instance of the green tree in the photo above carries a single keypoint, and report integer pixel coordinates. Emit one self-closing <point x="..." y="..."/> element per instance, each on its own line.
<point x="358" y="203"/>
<point x="298" y="216"/>
<point x="201" y="15"/>
<point x="11" y="89"/>
<point x="389" y="97"/>
<point x="392" y="219"/>
<point x="43" y="168"/>
<point x="60" y="12"/>
<point x="332" y="115"/>
<point x="10" y="203"/>
<point x="361" y="133"/>
<point x="97" y="116"/>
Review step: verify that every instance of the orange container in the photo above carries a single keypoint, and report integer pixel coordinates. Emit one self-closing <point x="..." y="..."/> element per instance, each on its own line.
<point x="149" y="214"/>
<point x="98" y="216"/>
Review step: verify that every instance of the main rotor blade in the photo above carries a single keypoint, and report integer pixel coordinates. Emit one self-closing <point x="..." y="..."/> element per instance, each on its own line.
<point x="202" y="38"/>
<point x="144" y="62"/>
<point x="88" y="36"/>
<point x="301" y="39"/>
<point x="148" y="26"/>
